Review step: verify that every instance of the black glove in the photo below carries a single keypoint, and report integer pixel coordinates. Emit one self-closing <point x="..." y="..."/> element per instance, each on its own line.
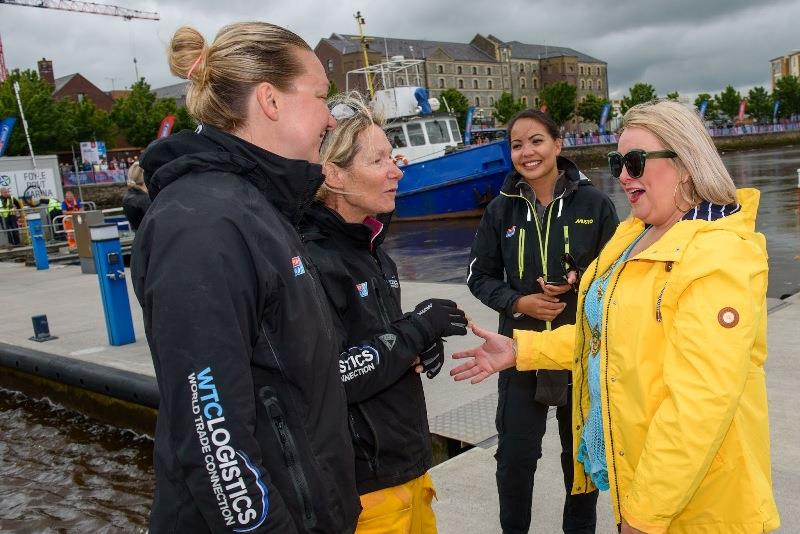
<point x="439" y="318"/>
<point x="432" y="358"/>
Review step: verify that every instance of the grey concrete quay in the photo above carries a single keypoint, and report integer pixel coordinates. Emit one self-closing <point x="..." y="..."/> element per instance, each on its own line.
<point x="467" y="499"/>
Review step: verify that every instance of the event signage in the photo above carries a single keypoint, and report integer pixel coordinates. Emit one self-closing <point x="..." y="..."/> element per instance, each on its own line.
<point x="29" y="183"/>
<point x="604" y="117"/>
<point x="93" y="151"/>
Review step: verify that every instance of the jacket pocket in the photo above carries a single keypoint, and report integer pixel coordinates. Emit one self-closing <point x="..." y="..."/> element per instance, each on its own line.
<point x="291" y="455"/>
<point x="363" y="446"/>
<point x="382" y="309"/>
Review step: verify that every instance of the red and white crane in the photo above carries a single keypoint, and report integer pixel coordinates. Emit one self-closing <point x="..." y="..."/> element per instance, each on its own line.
<point x="79" y="7"/>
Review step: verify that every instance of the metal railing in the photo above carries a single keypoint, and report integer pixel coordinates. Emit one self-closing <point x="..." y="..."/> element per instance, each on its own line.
<point x="54" y="228"/>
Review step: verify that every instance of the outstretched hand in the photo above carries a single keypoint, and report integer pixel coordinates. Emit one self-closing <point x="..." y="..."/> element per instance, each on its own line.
<point x="496" y="354"/>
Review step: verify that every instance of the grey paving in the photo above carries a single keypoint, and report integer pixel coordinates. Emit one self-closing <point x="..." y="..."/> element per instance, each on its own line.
<point x="467" y="500"/>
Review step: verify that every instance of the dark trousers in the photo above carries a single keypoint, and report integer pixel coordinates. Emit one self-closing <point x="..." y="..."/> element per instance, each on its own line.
<point x="521" y="423"/>
<point x="11" y="223"/>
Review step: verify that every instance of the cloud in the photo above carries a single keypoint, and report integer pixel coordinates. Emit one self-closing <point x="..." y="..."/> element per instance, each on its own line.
<point x="686" y="45"/>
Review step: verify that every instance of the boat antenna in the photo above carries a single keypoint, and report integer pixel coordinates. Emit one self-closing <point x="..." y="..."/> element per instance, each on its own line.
<point x="364" y="47"/>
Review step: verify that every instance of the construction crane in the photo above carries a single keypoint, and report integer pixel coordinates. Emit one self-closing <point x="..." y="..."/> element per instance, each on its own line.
<point x="85" y="7"/>
<point x="79" y="7"/>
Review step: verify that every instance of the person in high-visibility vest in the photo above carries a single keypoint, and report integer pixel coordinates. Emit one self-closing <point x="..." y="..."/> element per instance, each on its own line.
<point x="9" y="215"/>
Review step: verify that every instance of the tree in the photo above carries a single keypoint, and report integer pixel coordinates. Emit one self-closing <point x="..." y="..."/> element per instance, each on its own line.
<point x="458" y="104"/>
<point x="506" y="107"/>
<point x="139" y="114"/>
<point x="639" y="94"/>
<point x="787" y="90"/>
<point x="46" y="126"/>
<point x="560" y="99"/>
<point x="84" y="121"/>
<point x="728" y="102"/>
<point x="759" y="104"/>
<point x="332" y="89"/>
<point x="674" y="96"/>
<point x="591" y="109"/>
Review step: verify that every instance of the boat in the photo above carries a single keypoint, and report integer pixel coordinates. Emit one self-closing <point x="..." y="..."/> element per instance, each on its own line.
<point x="444" y="177"/>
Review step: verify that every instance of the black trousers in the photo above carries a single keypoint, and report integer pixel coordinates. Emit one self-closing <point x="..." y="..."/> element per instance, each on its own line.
<point x="521" y="423"/>
<point x="11" y="223"/>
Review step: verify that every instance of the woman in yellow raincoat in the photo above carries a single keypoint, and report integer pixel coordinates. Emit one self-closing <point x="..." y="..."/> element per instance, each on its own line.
<point x="668" y="349"/>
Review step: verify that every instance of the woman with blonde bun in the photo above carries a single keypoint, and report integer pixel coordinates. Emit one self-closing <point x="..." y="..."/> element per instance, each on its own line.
<point x="252" y="431"/>
<point x="136" y="201"/>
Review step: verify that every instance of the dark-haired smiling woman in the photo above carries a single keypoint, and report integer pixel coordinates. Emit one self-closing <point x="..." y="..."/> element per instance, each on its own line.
<point x="668" y="351"/>
<point x="548" y="223"/>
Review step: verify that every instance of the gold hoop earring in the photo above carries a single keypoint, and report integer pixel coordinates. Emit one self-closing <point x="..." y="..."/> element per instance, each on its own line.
<point x="683" y="197"/>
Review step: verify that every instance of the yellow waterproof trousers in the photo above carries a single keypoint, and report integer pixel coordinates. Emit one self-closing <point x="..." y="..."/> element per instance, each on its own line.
<point x="403" y="509"/>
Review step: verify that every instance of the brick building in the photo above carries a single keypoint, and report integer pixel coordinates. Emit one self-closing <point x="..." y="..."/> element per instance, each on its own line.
<point x="74" y="87"/>
<point x="482" y="69"/>
<point x="788" y="65"/>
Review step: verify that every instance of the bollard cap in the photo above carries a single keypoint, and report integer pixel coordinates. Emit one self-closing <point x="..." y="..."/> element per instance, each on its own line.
<point x="33" y="216"/>
<point x="103" y="232"/>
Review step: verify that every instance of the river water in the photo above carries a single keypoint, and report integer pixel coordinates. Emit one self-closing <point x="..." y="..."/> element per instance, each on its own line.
<point x="62" y="472"/>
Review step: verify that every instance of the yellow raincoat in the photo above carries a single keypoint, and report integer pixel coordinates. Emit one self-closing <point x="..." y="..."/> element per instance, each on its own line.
<point x="683" y="390"/>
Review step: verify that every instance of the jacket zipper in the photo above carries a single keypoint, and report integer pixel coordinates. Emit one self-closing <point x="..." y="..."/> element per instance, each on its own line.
<point x="609" y="296"/>
<point x="521" y="252"/>
<point x="289" y="450"/>
<point x="381" y="305"/>
<point x="372" y="460"/>
<point x="323" y="306"/>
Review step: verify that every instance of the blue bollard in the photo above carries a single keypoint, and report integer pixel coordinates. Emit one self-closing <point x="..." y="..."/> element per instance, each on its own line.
<point x="37" y="241"/>
<point x="110" y="268"/>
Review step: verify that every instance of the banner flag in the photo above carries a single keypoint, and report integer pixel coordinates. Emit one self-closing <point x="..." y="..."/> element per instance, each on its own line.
<point x="742" y="106"/>
<point x="702" y="109"/>
<point x="775" y="110"/>
<point x="166" y="126"/>
<point x="6" y="127"/>
<point x="604" y="117"/>
<point x="468" y="125"/>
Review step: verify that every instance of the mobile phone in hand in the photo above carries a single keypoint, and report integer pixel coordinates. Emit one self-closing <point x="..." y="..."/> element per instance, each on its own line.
<point x="561" y="282"/>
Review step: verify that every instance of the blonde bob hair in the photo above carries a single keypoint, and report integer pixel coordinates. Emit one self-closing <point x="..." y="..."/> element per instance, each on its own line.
<point x="135" y="176"/>
<point x="353" y="115"/>
<point x="223" y="75"/>
<point x="679" y="128"/>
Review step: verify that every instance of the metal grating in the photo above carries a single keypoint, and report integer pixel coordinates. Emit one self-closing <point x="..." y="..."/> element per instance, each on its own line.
<point x="471" y="423"/>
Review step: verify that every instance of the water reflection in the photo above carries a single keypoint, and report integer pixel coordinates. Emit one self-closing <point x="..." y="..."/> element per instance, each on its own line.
<point x="62" y="472"/>
<point x="438" y="251"/>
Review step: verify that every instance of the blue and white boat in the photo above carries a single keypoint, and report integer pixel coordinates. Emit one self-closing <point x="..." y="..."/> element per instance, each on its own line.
<point x="444" y="178"/>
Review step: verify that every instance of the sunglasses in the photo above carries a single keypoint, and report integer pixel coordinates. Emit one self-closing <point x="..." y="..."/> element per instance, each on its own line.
<point x="342" y="111"/>
<point x="634" y="161"/>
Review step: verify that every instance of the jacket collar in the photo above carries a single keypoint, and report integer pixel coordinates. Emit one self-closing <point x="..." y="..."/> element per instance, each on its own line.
<point x="288" y="184"/>
<point x="672" y="244"/>
<point x="320" y="219"/>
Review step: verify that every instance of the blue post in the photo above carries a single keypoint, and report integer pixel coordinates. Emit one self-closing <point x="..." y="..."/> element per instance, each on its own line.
<point x="110" y="268"/>
<point x="37" y="241"/>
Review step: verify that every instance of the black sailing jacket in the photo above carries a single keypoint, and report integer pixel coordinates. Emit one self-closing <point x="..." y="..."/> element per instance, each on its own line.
<point x="512" y="247"/>
<point x="388" y="417"/>
<point x="252" y="432"/>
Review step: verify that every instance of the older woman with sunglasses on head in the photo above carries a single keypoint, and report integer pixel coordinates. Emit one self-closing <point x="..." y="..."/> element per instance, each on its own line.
<point x="382" y="349"/>
<point x="669" y="347"/>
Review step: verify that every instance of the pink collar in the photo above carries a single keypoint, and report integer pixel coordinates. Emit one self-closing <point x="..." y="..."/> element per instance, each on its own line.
<point x="375" y="227"/>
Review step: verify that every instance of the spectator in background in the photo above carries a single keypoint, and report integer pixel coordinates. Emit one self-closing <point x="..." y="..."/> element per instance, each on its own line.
<point x="136" y="200"/>
<point x="70" y="204"/>
<point x="9" y="215"/>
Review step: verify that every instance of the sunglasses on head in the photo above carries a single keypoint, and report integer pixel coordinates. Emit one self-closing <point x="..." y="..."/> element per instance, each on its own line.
<point x="634" y="161"/>
<point x="343" y="111"/>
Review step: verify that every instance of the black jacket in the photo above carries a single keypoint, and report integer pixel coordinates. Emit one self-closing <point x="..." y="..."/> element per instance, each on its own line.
<point x="135" y="203"/>
<point x="252" y="433"/>
<point x="505" y="260"/>
<point x="388" y="417"/>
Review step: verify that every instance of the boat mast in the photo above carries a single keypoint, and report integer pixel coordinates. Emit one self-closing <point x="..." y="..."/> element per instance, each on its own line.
<point x="364" y="46"/>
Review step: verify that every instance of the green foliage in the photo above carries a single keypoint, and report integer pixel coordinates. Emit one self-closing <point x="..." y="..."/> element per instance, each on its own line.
<point x="591" y="109"/>
<point x="728" y="102"/>
<point x="759" y="104"/>
<point x="458" y="105"/>
<point x="639" y="94"/>
<point x="53" y="125"/>
<point x="560" y="99"/>
<point x="673" y="96"/>
<point x="506" y="107"/>
<point x="138" y="114"/>
<point x="787" y="90"/>
<point x="184" y="121"/>
<point x="332" y="89"/>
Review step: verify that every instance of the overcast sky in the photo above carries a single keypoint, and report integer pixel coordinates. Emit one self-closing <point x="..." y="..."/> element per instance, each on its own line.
<point x="691" y="46"/>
